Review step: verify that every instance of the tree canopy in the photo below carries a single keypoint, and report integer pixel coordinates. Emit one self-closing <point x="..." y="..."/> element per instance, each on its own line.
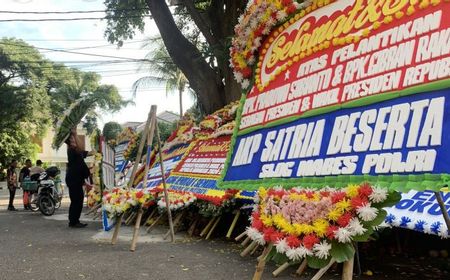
<point x="111" y="130"/>
<point x="35" y="92"/>
<point x="206" y="66"/>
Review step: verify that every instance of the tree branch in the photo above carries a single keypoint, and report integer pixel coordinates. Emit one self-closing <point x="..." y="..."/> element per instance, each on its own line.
<point x="202" y="23"/>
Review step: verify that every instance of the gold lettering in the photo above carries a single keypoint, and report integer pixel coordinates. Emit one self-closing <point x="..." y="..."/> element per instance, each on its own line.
<point x="393" y="6"/>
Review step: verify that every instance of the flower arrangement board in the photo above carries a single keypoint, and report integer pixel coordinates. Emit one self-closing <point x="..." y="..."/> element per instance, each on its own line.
<point x="342" y="92"/>
<point x="124" y="144"/>
<point x="200" y="168"/>
<point x="171" y="158"/>
<point x="108" y="170"/>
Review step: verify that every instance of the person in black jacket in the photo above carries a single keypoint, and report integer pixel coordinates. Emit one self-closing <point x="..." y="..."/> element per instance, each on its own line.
<point x="77" y="172"/>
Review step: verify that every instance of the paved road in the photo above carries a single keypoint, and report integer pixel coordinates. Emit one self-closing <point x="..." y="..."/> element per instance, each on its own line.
<point x="33" y="247"/>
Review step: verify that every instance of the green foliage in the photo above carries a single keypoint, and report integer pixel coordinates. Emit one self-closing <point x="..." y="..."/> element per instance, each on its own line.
<point x="111" y="130"/>
<point x="317" y="263"/>
<point x="35" y="92"/>
<point x="341" y="252"/>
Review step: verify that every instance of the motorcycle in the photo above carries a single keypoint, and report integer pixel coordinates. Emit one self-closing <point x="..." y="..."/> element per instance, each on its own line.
<point x="45" y="191"/>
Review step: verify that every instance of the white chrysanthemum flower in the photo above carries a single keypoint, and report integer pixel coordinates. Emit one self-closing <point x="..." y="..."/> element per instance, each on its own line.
<point x="281" y="15"/>
<point x="240" y="18"/>
<point x="367" y="213"/>
<point x="427" y="229"/>
<point x="298" y="6"/>
<point x="254" y="23"/>
<point x="251" y="60"/>
<point x="270" y="21"/>
<point x="343" y="235"/>
<point x="282" y="246"/>
<point x="378" y="195"/>
<point x="245" y="83"/>
<point x="298" y="253"/>
<point x="322" y="249"/>
<point x="255" y="235"/>
<point x="266" y="30"/>
<point x="355" y="227"/>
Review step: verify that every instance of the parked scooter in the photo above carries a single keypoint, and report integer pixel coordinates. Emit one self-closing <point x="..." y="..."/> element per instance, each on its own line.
<point x="45" y="191"/>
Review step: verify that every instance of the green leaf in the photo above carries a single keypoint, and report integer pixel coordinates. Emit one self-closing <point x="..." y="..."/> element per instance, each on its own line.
<point x="279" y="258"/>
<point x="363" y="237"/>
<point x="377" y="221"/>
<point x="315" y="262"/>
<point x="392" y="199"/>
<point x="342" y="252"/>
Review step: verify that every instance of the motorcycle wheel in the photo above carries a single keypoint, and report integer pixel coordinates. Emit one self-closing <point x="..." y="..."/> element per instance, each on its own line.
<point x="34" y="205"/>
<point x="46" y="205"/>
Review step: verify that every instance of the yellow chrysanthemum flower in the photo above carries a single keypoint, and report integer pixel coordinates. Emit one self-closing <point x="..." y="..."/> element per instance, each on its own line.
<point x="352" y="190"/>
<point x="320" y="227"/>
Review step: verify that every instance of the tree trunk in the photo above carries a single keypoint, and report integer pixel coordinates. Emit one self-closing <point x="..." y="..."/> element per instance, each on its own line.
<point x="202" y="78"/>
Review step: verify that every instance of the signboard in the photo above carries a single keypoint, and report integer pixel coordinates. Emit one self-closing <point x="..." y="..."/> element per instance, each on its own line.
<point x="120" y="160"/>
<point x="171" y="159"/>
<point x="201" y="167"/>
<point x="355" y="89"/>
<point x="108" y="172"/>
<point x="419" y="211"/>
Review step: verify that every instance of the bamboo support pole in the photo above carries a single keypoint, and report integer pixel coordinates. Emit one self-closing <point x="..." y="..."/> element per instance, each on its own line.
<point x="347" y="271"/>
<point x="443" y="209"/>
<point x="302" y="267"/>
<point x="249" y="248"/>
<point x="254" y="250"/>
<point x="130" y="218"/>
<point x="163" y="177"/>
<point x="176" y="222"/>
<point x="191" y="229"/>
<point x="137" y="225"/>
<point x="262" y="262"/>
<point x="240" y="236"/>
<point x="233" y="224"/>
<point x="97" y="215"/>
<point x="280" y="269"/>
<point x="141" y="147"/>
<point x="116" y="229"/>
<point x="213" y="227"/>
<point x="151" y="216"/>
<point x="208" y="226"/>
<point x="246" y="241"/>
<point x="323" y="270"/>
<point x="150" y="227"/>
<point x="93" y="209"/>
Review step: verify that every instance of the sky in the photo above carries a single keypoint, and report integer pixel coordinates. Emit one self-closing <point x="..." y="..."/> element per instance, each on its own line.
<point x="87" y="36"/>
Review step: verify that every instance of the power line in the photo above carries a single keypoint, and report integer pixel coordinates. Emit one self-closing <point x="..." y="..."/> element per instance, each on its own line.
<point x="72" y="52"/>
<point x="72" y="12"/>
<point x="72" y="19"/>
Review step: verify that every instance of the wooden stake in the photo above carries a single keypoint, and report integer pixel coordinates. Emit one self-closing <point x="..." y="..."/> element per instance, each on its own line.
<point x="240" y="236"/>
<point x="323" y="270"/>
<point x="137" y="225"/>
<point x="233" y="224"/>
<point x="262" y="263"/>
<point x="116" y="230"/>
<point x="208" y="226"/>
<point x="163" y="177"/>
<point x="249" y="248"/>
<point x="443" y="209"/>
<point x="302" y="267"/>
<point x="347" y="272"/>
<point x="154" y="223"/>
<point x="280" y="269"/>
<point x="213" y="227"/>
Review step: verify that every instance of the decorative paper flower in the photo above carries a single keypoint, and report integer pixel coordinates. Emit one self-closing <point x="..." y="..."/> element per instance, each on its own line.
<point x="177" y="200"/>
<point x="322" y="249"/>
<point x="378" y="195"/>
<point x="367" y="213"/>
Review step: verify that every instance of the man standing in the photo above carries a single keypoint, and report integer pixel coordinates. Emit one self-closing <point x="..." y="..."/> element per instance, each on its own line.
<point x="11" y="179"/>
<point x="25" y="172"/>
<point x="37" y="169"/>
